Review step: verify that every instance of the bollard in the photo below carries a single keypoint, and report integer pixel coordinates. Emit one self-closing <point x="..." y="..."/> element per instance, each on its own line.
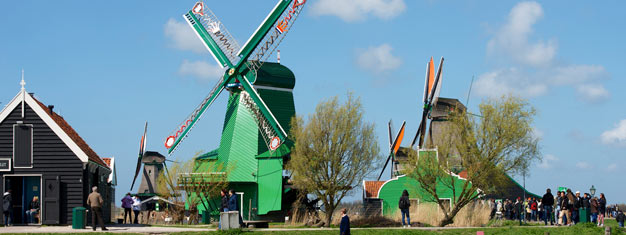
<point x="607" y="230"/>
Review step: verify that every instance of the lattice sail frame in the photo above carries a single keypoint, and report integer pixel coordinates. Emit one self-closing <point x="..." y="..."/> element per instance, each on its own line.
<point x="266" y="130"/>
<point x="219" y="33"/>
<point x="271" y="42"/>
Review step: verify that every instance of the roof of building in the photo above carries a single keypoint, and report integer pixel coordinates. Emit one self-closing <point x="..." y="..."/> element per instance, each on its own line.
<point x="372" y="188"/>
<point x="93" y="156"/>
<point x="107" y="161"/>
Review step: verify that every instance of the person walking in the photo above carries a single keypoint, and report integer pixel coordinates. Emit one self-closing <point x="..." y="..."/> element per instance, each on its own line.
<point x="557" y="207"/>
<point x="94" y="200"/>
<point x="533" y="209"/>
<point x="519" y="209"/>
<point x="33" y="210"/>
<point x="127" y="204"/>
<point x="7" y="207"/>
<point x="404" y="204"/>
<point x="344" y="225"/>
<point x="232" y="204"/>
<point x="564" y="216"/>
<point x="601" y="209"/>
<point x="136" y="208"/>
<point x="547" y="202"/>
<point x="576" y="208"/>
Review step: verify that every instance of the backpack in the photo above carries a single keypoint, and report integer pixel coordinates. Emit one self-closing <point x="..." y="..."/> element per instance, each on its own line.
<point x="6" y="204"/>
<point x="403" y="203"/>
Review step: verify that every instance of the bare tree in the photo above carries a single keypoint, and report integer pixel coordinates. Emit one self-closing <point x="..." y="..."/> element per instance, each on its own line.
<point x="500" y="142"/>
<point x="182" y="185"/>
<point x="333" y="151"/>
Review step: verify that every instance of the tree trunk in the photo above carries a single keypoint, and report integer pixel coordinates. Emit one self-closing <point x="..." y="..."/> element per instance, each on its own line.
<point x="449" y="217"/>
<point x="329" y="215"/>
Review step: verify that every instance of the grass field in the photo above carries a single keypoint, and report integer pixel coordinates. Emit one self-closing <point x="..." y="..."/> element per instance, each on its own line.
<point x="580" y="229"/>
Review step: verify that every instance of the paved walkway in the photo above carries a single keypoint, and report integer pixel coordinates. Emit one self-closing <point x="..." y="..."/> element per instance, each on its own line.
<point x="164" y="230"/>
<point x="112" y="229"/>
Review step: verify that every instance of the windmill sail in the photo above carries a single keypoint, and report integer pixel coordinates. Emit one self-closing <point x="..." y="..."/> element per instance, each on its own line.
<point x="142" y="150"/>
<point x="431" y="96"/>
<point x="394" y="147"/>
<point x="218" y="32"/>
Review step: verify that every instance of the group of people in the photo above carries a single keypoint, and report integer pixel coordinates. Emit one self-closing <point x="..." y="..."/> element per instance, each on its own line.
<point x="563" y="209"/>
<point x="131" y="203"/>
<point x="31" y="212"/>
<point x="229" y="203"/>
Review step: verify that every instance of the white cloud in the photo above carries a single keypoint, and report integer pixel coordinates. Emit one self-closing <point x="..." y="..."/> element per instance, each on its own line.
<point x="548" y="161"/>
<point x="616" y="135"/>
<point x="593" y="93"/>
<point x="508" y="81"/>
<point x="358" y="10"/>
<point x="378" y="59"/>
<point x="182" y="36"/>
<point x="612" y="167"/>
<point x="512" y="38"/>
<point x="534" y="69"/>
<point x="201" y="70"/>
<point x="583" y="165"/>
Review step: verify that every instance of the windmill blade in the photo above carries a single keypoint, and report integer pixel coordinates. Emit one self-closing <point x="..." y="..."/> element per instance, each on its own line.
<point x="428" y="84"/>
<point x="437" y="86"/>
<point x="142" y="150"/>
<point x="210" y="24"/>
<point x="285" y="10"/>
<point x="174" y="139"/>
<point x="273" y="133"/>
<point x="398" y="140"/>
<point x="207" y="39"/>
<point x="390" y="135"/>
<point x="430" y="79"/>
<point x="394" y="148"/>
<point x="271" y="41"/>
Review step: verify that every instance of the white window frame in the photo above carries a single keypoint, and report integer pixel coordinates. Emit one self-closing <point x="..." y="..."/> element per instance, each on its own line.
<point x="32" y="146"/>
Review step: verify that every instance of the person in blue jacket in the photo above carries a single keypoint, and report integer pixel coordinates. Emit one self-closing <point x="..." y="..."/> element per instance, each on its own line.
<point x="232" y="204"/>
<point x="344" y="226"/>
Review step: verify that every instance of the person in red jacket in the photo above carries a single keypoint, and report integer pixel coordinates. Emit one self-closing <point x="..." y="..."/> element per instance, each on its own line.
<point x="533" y="209"/>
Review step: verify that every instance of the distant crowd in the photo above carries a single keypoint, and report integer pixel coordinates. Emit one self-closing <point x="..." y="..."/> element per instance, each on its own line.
<point x="564" y="209"/>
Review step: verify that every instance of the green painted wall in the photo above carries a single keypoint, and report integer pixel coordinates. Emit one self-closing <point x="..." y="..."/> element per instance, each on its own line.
<point x="270" y="192"/>
<point x="391" y="191"/>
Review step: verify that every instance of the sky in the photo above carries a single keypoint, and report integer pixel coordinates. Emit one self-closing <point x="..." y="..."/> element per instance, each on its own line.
<point x="110" y="66"/>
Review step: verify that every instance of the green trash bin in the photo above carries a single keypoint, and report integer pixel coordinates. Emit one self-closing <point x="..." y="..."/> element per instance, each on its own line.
<point x="206" y="217"/>
<point x="584" y="215"/>
<point x="78" y="217"/>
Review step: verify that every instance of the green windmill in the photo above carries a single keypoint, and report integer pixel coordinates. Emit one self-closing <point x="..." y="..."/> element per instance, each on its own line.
<point x="254" y="142"/>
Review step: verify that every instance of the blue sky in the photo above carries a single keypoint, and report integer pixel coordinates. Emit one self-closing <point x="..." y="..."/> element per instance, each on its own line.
<point x="110" y="66"/>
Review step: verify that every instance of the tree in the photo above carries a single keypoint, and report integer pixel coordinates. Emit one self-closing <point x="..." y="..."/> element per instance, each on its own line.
<point x="332" y="152"/>
<point x="498" y="142"/>
<point x="182" y="186"/>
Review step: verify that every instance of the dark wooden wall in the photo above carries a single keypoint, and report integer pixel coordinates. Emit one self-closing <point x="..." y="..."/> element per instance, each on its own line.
<point x="51" y="157"/>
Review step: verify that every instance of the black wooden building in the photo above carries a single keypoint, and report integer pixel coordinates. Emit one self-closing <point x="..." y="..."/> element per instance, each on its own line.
<point x="42" y="155"/>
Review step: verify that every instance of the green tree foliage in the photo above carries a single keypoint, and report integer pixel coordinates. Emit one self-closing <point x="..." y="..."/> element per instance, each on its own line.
<point x="499" y="141"/>
<point x="333" y="151"/>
